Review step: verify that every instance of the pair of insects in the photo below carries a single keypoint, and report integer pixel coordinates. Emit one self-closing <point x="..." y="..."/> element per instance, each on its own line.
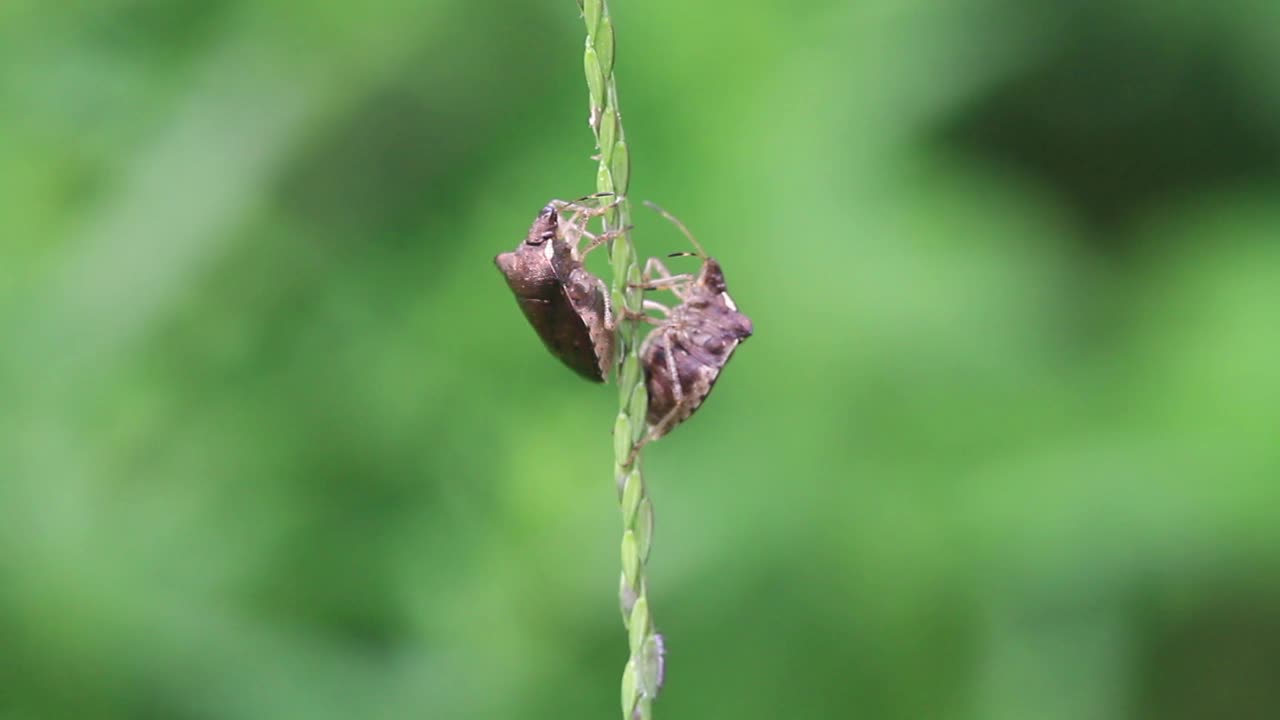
<point x="570" y="310"/>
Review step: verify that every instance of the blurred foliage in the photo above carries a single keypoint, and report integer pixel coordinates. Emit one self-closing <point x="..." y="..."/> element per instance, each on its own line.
<point x="275" y="441"/>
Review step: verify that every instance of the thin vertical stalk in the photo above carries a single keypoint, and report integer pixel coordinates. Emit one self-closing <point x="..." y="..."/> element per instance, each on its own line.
<point x="643" y="673"/>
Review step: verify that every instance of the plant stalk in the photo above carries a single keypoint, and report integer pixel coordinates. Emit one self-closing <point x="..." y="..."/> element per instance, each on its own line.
<point x="642" y="675"/>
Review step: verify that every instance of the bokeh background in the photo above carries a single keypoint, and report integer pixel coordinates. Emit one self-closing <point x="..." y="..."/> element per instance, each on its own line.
<point x="275" y="441"/>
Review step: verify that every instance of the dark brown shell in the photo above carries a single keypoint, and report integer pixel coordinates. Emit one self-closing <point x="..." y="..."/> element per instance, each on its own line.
<point x="566" y="305"/>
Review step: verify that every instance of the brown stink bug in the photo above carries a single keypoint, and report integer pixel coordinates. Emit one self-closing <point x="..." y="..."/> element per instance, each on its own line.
<point x="691" y="343"/>
<point x="567" y="305"/>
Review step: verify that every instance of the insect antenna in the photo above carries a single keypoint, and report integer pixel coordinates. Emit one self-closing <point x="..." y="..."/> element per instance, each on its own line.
<point x="592" y="196"/>
<point x="676" y="221"/>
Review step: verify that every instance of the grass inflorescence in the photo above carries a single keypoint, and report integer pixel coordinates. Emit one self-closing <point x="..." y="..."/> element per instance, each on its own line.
<point x="643" y="673"/>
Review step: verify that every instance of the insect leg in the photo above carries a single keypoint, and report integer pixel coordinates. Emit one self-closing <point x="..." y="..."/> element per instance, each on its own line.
<point x="677" y="392"/>
<point x="598" y="240"/>
<point x="655" y="305"/>
<point x="665" y="280"/>
<point x="654" y="432"/>
<point x="631" y="315"/>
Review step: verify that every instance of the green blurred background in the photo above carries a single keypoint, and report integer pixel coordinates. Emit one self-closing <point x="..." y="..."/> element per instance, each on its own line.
<point x="275" y="441"/>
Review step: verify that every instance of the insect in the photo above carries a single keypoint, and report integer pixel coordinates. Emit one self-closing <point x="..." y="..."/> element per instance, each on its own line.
<point x="691" y="343"/>
<point x="567" y="306"/>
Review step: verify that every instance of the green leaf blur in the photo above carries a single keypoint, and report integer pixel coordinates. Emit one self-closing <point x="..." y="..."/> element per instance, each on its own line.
<point x="276" y="442"/>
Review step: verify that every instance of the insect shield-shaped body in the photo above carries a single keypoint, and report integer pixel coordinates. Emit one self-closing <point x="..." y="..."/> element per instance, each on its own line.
<point x="690" y="345"/>
<point x="567" y="306"/>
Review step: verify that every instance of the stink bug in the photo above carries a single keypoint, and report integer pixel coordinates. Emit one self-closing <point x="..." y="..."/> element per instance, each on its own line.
<point x="567" y="305"/>
<point x="691" y="343"/>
